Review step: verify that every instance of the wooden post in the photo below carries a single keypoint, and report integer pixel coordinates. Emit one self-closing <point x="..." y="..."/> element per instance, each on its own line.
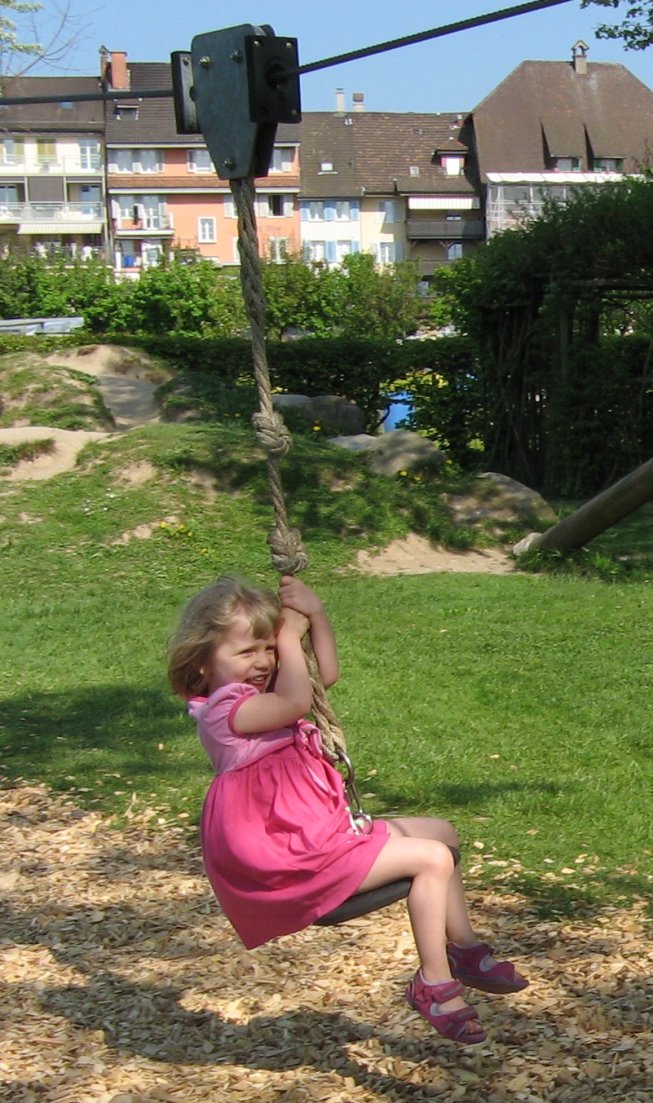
<point x="597" y="515"/>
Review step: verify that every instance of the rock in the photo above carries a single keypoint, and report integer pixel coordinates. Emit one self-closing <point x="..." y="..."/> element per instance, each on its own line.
<point x="360" y="442"/>
<point x="333" y="412"/>
<point x="500" y="498"/>
<point x="400" y="450"/>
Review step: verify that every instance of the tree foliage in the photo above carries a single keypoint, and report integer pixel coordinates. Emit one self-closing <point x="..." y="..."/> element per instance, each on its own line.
<point x="564" y="410"/>
<point x="34" y="33"/>
<point x="636" y="28"/>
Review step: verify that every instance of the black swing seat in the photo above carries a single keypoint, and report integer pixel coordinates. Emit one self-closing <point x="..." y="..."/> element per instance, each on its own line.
<point x="363" y="903"/>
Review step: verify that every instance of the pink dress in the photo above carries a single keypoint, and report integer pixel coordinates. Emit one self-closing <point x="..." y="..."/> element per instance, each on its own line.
<point x="278" y="841"/>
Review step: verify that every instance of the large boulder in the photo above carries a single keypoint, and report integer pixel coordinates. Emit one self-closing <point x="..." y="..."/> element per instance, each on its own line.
<point x="333" y="412"/>
<point x="497" y="497"/>
<point x="393" y="452"/>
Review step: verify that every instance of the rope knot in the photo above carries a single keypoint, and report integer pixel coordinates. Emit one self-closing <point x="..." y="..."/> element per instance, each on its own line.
<point x="272" y="433"/>
<point x="287" y="551"/>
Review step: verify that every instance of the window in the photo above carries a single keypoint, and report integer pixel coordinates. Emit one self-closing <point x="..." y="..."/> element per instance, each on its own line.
<point x="455" y="250"/>
<point x="46" y="152"/>
<point x="13" y="151"/>
<point x="229" y="208"/>
<point x="566" y="164"/>
<point x="89" y="154"/>
<point x="120" y="160"/>
<point x="414" y="170"/>
<point x="147" y="160"/>
<point x="315" y="210"/>
<point x="282" y="159"/>
<point x="8" y="194"/>
<point x="388" y="210"/>
<point x="199" y="160"/>
<point x="608" y="164"/>
<point x="387" y="252"/>
<point x="206" y="231"/>
<point x="315" y="251"/>
<point x="345" y="249"/>
<point x="274" y="206"/>
<point x="326" y="166"/>
<point x="453" y="166"/>
<point x="278" y="249"/>
<point x="154" y="213"/>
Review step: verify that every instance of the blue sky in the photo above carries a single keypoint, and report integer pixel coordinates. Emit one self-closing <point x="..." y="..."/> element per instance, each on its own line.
<point x="448" y="74"/>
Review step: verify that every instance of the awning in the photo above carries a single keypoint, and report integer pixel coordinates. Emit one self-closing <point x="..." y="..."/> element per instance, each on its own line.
<point x="55" y="228"/>
<point x="443" y="202"/>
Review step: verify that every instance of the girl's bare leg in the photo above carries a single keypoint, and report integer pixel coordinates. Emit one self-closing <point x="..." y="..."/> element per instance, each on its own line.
<point x="458" y="925"/>
<point x="430" y="865"/>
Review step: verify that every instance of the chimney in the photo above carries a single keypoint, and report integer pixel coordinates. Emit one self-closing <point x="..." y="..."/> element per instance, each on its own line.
<point x="579" y="57"/>
<point x="117" y="73"/>
<point x="358" y="101"/>
<point x="340" y="101"/>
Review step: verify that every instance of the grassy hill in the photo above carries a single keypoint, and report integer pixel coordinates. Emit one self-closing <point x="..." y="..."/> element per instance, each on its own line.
<point x="516" y="705"/>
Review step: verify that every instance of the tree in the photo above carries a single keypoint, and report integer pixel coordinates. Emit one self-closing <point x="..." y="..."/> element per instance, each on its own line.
<point x="636" y="30"/>
<point x="568" y="402"/>
<point x="32" y="33"/>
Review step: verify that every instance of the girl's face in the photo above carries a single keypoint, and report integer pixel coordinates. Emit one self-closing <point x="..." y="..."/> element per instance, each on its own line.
<point x="240" y="656"/>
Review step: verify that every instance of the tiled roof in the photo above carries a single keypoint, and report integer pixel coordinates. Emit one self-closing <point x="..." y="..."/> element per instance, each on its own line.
<point x="547" y="106"/>
<point x="378" y="153"/>
<point x="50" y="118"/>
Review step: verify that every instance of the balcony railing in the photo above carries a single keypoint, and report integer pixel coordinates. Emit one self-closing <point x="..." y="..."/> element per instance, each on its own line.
<point x="52" y="212"/>
<point x="458" y="229"/>
<point x="152" y="223"/>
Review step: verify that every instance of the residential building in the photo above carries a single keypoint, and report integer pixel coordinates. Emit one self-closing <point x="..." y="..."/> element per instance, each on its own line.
<point x="52" y="192"/>
<point x="553" y="126"/>
<point x="396" y="185"/>
<point x="163" y="191"/>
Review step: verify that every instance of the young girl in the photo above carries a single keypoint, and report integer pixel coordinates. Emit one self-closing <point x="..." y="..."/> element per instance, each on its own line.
<point x="279" y="844"/>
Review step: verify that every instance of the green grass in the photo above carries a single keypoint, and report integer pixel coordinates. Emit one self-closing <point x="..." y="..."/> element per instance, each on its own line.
<point x="515" y="705"/>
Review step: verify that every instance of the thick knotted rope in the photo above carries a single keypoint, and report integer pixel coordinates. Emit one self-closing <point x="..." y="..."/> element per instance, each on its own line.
<point x="288" y="553"/>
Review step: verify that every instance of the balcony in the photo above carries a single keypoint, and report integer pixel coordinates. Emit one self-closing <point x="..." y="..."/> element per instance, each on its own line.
<point x="54" y="218"/>
<point x="444" y="229"/>
<point x="148" y="224"/>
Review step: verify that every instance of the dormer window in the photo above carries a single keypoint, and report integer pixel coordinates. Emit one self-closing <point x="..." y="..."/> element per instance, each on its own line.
<point x="565" y="164"/>
<point x="453" y="164"/>
<point x="608" y="164"/>
<point x="414" y="170"/>
<point x="326" y="166"/>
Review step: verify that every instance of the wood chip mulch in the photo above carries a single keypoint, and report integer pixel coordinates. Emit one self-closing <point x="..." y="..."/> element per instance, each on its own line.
<point x="122" y="983"/>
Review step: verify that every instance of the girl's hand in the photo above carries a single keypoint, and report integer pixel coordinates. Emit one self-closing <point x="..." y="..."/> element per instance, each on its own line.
<point x="295" y="622"/>
<point x="296" y="595"/>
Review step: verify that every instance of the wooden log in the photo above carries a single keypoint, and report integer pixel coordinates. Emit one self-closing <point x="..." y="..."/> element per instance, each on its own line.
<point x="597" y="515"/>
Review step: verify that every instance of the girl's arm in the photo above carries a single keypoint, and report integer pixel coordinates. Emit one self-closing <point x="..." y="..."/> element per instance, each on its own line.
<point x="292" y="695"/>
<point x="297" y="595"/>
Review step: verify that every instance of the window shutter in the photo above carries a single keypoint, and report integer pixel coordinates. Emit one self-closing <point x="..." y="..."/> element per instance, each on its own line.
<point x="329" y="210"/>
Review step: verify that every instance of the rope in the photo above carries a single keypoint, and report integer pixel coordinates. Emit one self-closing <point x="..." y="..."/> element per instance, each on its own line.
<point x="285" y="543"/>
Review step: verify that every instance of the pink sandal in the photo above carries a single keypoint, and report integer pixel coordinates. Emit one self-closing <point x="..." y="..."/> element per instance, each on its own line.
<point x="427" y="998"/>
<point x="470" y="965"/>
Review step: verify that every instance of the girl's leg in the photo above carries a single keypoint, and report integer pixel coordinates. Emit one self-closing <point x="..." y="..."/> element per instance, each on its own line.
<point x="458" y="925"/>
<point x="469" y="956"/>
<point x="430" y="865"/>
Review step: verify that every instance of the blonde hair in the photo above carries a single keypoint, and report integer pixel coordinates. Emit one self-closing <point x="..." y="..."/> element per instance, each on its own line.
<point x="207" y="617"/>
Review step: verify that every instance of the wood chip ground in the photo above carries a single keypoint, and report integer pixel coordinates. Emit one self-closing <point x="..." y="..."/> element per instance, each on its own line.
<point x="122" y="983"/>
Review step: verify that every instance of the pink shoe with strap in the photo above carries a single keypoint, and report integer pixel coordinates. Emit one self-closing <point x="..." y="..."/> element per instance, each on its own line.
<point x="454" y="1025"/>
<point x="475" y="967"/>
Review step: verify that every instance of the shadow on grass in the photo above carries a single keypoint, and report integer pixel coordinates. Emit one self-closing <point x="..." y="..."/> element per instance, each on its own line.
<point x="101" y="738"/>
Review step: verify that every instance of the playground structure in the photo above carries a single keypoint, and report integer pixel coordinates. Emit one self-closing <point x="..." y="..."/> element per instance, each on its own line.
<point x="595" y="516"/>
